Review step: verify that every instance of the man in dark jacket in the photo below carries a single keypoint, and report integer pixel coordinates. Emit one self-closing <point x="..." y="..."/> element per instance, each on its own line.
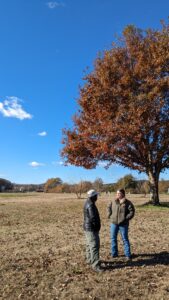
<point x="91" y="227"/>
<point x="120" y="211"/>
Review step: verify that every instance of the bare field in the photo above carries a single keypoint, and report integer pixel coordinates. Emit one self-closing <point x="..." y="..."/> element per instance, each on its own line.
<point x="42" y="251"/>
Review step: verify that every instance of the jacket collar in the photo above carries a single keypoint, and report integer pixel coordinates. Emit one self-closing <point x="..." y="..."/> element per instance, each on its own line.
<point x="121" y="201"/>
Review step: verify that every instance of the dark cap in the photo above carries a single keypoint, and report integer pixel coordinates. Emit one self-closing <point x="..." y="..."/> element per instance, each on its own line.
<point x="122" y="191"/>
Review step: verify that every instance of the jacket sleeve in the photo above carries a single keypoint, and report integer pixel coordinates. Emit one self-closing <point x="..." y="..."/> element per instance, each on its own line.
<point x="131" y="211"/>
<point x="92" y="216"/>
<point x="109" y="210"/>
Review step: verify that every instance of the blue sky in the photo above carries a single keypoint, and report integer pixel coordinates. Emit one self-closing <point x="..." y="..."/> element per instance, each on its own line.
<point x="45" y="49"/>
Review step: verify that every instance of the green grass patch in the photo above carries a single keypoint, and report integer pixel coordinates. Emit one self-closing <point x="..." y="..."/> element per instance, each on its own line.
<point x="162" y="206"/>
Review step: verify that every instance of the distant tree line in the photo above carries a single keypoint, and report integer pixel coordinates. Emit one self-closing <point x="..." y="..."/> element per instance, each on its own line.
<point x="56" y="185"/>
<point x="128" y="182"/>
<point x="7" y="186"/>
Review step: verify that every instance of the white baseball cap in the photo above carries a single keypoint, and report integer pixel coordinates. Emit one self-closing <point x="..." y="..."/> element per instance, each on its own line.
<point x="92" y="193"/>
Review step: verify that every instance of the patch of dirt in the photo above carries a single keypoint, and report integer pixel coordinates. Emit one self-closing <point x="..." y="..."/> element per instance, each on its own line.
<point x="42" y="251"/>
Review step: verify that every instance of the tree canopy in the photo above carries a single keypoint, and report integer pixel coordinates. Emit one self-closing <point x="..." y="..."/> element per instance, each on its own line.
<point x="52" y="183"/>
<point x="123" y="112"/>
<point x="127" y="182"/>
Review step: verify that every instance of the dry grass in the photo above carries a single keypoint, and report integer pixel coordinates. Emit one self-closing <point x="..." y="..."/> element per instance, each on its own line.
<point x="42" y="251"/>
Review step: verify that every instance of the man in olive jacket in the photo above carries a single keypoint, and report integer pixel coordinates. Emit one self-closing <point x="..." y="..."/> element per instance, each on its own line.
<point x="120" y="211"/>
<point x="91" y="228"/>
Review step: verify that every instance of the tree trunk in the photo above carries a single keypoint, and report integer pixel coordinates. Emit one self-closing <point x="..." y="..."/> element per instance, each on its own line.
<point x="154" y="179"/>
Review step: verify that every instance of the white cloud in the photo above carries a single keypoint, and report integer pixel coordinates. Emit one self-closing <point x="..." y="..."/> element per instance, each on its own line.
<point x="43" y="133"/>
<point x="12" y="108"/>
<point x="35" y="164"/>
<point x="55" y="4"/>
<point x="57" y="163"/>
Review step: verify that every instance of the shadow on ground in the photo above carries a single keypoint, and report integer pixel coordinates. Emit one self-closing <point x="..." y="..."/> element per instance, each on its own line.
<point x="150" y="203"/>
<point x="139" y="260"/>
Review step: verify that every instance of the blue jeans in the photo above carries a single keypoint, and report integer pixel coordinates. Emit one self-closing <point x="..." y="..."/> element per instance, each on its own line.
<point x="114" y="229"/>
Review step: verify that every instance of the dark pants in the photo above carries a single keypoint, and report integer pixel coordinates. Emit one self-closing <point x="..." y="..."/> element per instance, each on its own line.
<point x="92" y="248"/>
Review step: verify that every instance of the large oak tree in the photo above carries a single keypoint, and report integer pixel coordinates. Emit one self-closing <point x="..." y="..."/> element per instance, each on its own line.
<point x="123" y="112"/>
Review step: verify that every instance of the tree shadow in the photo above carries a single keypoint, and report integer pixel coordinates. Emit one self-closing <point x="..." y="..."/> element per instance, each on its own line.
<point x="161" y="204"/>
<point x="138" y="260"/>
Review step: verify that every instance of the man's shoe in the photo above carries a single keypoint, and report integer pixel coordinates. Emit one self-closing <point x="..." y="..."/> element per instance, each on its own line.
<point x="128" y="259"/>
<point x="98" y="269"/>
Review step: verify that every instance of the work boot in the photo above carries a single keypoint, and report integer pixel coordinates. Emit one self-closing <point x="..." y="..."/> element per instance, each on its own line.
<point x="128" y="259"/>
<point x="98" y="269"/>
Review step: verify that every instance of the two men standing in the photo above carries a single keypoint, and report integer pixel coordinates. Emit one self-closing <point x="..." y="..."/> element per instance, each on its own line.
<point x="121" y="211"/>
